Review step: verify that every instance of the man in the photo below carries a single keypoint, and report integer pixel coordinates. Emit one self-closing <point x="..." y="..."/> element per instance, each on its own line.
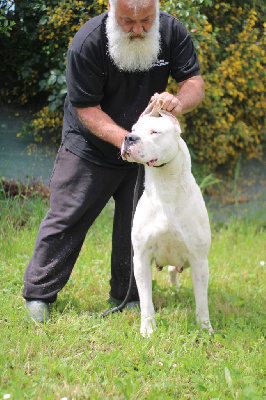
<point x="115" y="64"/>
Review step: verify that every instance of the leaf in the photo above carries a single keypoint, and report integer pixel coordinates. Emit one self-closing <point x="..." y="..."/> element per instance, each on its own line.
<point x="43" y="20"/>
<point x="42" y="84"/>
<point x="63" y="91"/>
<point x="201" y="387"/>
<point x="229" y="380"/>
<point x="61" y="79"/>
<point x="52" y="79"/>
<point x="52" y="106"/>
<point x="250" y="392"/>
<point x="56" y="72"/>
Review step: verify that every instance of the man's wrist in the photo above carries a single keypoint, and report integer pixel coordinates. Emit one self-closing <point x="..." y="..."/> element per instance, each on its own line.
<point x="178" y="110"/>
<point x="121" y="139"/>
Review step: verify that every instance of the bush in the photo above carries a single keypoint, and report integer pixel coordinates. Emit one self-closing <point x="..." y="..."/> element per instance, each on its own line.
<point x="230" y="120"/>
<point x="56" y="30"/>
<point x="24" y="61"/>
<point x="230" y="41"/>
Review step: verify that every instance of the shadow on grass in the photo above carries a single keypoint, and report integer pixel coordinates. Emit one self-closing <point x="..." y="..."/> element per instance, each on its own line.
<point x="228" y="309"/>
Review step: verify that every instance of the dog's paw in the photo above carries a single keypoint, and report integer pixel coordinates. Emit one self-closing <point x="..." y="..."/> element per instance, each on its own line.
<point x="173" y="277"/>
<point x="207" y="325"/>
<point x="148" y="325"/>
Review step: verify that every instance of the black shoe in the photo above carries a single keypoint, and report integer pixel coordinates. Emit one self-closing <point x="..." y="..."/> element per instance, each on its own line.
<point x="130" y="305"/>
<point x="37" y="310"/>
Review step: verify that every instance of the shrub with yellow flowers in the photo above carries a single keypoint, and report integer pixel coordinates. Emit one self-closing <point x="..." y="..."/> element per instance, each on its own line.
<point x="230" y="120"/>
<point x="230" y="41"/>
<point x="56" y="31"/>
<point x="231" y="50"/>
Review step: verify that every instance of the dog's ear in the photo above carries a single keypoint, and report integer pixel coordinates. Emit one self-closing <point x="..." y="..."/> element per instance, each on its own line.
<point x="177" y="126"/>
<point x="153" y="109"/>
<point x="174" y="120"/>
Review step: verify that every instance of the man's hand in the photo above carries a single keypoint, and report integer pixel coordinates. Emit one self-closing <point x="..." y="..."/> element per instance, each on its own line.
<point x="190" y="95"/>
<point x="169" y="102"/>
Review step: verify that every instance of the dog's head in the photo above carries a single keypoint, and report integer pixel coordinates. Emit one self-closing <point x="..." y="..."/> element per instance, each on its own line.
<point x="153" y="140"/>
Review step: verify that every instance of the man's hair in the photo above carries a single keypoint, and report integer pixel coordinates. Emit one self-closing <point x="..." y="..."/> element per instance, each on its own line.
<point x="133" y="3"/>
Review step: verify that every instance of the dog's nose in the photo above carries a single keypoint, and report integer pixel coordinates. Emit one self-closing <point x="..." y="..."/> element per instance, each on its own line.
<point x="131" y="139"/>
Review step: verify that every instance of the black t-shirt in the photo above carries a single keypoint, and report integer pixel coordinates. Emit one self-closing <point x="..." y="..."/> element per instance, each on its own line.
<point x="93" y="78"/>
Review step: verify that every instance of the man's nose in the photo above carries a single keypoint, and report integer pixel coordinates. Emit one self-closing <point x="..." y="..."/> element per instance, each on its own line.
<point x="137" y="28"/>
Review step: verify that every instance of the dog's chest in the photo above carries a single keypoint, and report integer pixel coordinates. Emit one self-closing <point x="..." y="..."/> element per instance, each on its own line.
<point x="161" y="237"/>
<point x="171" y="223"/>
<point x="167" y="244"/>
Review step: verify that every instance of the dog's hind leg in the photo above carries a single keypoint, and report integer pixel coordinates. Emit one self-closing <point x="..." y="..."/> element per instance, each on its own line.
<point x="173" y="277"/>
<point x="143" y="276"/>
<point x="200" y="278"/>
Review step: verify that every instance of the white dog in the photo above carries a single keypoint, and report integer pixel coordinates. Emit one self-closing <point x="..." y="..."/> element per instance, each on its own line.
<point x="171" y="225"/>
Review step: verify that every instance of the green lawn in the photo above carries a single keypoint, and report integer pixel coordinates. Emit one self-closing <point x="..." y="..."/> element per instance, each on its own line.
<point x="77" y="356"/>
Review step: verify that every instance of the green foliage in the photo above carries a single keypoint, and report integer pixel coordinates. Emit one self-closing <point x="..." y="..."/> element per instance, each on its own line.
<point x="21" y="51"/>
<point x="190" y="14"/>
<point x="5" y="25"/>
<point x="49" y="26"/>
<point x="230" y="121"/>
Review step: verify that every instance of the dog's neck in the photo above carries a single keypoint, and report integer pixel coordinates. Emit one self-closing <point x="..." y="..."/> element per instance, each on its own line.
<point x="159" y="166"/>
<point x="172" y="179"/>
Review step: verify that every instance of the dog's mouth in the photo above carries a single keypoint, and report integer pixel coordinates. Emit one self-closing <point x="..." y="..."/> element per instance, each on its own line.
<point x="126" y="155"/>
<point x="151" y="162"/>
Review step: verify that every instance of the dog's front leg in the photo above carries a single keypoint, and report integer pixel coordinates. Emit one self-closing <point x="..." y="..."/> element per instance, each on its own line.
<point x="200" y="278"/>
<point x="143" y="276"/>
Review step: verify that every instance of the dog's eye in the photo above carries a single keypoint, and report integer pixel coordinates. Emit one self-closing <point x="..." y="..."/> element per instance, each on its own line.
<point x="155" y="132"/>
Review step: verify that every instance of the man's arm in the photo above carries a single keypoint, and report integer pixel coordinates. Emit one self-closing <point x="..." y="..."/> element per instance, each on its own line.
<point x="190" y="95"/>
<point x="101" y="125"/>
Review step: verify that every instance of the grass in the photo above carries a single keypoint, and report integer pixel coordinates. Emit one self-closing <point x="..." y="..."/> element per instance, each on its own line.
<point x="77" y="356"/>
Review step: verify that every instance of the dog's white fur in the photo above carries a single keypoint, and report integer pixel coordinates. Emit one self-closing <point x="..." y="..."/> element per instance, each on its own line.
<point x="171" y="225"/>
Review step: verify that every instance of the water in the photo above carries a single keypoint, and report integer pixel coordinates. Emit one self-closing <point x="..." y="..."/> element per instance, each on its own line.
<point x="21" y="158"/>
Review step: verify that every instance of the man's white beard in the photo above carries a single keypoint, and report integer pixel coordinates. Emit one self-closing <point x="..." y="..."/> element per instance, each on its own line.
<point x="129" y="54"/>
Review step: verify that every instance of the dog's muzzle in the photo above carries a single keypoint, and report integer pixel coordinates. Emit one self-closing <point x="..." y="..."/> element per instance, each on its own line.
<point x="129" y="141"/>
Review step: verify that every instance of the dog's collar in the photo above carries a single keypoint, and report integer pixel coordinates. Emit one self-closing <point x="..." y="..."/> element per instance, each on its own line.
<point x="152" y="164"/>
<point x="159" y="166"/>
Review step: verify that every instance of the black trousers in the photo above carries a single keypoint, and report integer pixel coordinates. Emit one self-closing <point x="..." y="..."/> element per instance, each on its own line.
<point x="79" y="190"/>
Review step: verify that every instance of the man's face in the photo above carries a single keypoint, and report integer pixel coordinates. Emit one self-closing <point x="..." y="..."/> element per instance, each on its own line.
<point x="135" y="20"/>
<point x="133" y="34"/>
